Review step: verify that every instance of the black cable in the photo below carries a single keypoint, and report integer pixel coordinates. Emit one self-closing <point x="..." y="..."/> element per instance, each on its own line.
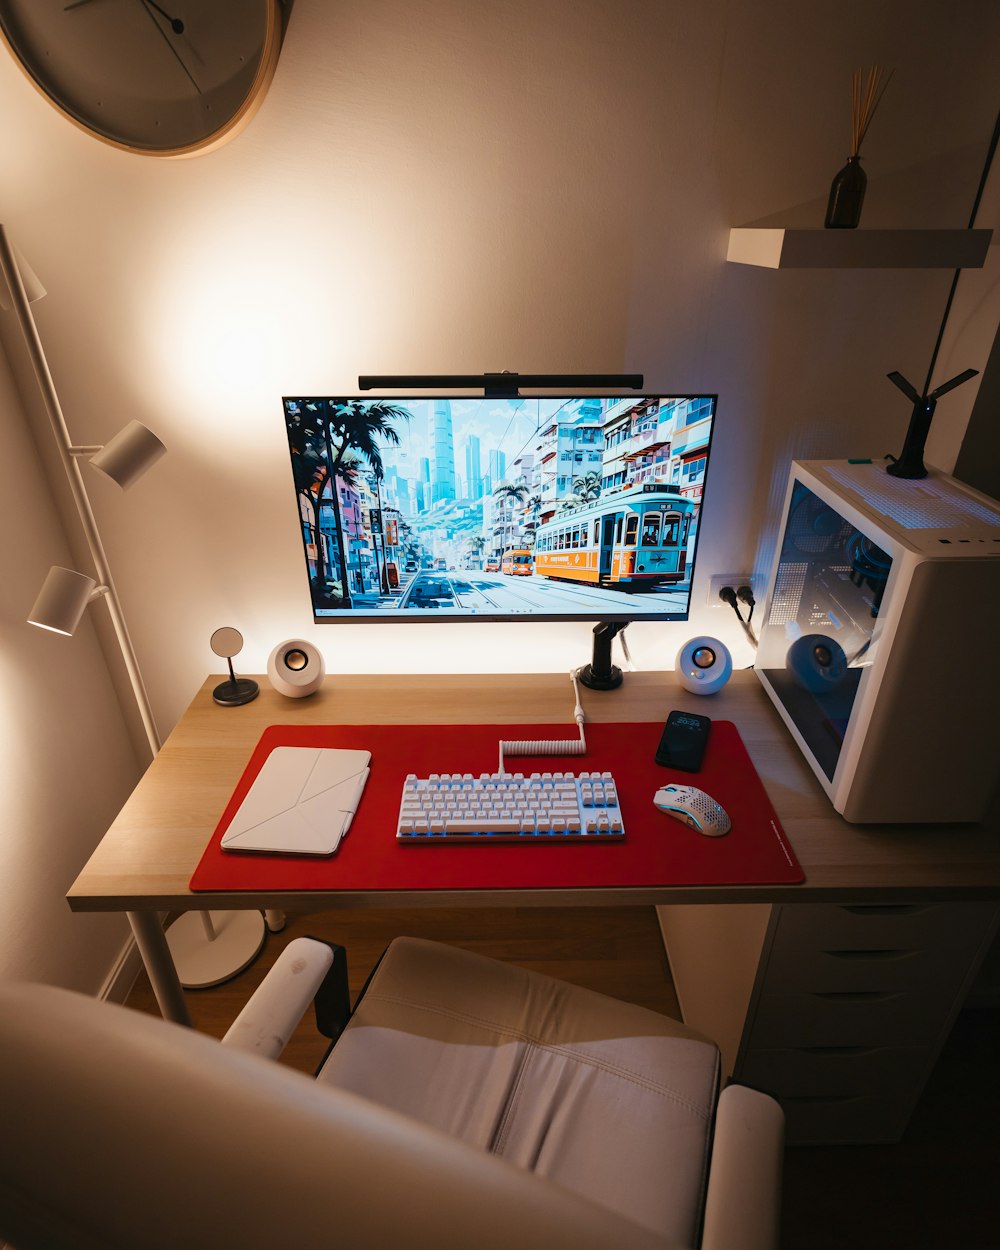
<point x="958" y="273"/>
<point x="730" y="596"/>
<point x="745" y="595"/>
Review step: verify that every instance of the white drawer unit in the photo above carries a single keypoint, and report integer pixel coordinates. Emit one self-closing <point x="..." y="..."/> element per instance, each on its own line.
<point x="846" y="1010"/>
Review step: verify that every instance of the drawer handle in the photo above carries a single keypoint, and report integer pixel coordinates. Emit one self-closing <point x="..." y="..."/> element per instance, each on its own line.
<point x="871" y="955"/>
<point x="853" y="1052"/>
<point x="854" y="996"/>
<point x="821" y="1098"/>
<point x="887" y="909"/>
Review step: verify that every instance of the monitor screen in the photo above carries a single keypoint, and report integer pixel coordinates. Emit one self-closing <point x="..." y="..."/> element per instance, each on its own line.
<point x="568" y="508"/>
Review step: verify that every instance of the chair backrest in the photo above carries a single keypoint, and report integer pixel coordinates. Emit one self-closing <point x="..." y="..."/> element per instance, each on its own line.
<point x="123" y="1132"/>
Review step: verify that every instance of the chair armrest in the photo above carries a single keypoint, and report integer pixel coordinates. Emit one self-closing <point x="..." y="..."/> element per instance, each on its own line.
<point x="743" y="1202"/>
<point x="265" y="1024"/>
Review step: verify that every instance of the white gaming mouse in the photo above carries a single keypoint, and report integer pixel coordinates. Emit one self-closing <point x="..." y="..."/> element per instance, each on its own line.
<point x="695" y="808"/>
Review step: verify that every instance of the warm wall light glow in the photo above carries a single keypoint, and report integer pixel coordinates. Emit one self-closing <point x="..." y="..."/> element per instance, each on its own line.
<point x="236" y="322"/>
<point x="516" y="647"/>
<point x="278" y="291"/>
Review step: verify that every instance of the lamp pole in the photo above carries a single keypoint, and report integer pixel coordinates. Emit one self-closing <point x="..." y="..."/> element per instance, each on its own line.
<point x="208" y="961"/>
<point x="70" y="456"/>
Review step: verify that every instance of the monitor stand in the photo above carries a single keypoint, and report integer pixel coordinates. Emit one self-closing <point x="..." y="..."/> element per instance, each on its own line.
<point x="600" y="673"/>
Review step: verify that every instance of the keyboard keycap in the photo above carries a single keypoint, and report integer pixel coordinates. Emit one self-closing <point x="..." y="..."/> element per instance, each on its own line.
<point x="443" y="808"/>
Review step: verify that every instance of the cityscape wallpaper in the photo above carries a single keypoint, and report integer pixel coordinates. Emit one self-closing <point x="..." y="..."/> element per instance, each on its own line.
<point x="555" y="508"/>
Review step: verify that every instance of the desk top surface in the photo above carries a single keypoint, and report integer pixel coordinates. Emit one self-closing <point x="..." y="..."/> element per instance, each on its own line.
<point x="147" y="857"/>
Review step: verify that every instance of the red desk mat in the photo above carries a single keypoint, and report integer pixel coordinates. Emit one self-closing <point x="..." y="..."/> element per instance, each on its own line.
<point x="657" y="849"/>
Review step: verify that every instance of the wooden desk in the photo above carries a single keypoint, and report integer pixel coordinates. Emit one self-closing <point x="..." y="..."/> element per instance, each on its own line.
<point x="143" y="864"/>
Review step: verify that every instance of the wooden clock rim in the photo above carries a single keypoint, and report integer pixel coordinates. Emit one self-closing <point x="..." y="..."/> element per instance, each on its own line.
<point x="228" y="130"/>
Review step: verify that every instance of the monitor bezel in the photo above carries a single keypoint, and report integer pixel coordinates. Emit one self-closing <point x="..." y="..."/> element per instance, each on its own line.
<point x="361" y="616"/>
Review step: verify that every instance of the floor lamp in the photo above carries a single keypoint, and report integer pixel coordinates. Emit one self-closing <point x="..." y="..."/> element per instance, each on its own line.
<point x="205" y="948"/>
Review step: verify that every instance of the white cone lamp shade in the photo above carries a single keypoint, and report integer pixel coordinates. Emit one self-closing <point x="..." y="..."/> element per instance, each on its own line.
<point x="62" y="600"/>
<point x="129" y="454"/>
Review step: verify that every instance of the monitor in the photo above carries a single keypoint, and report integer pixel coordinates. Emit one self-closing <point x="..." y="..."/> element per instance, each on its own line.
<point x="439" y="508"/>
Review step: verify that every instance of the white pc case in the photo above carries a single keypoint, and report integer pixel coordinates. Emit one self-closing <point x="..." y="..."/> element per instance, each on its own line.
<point x="880" y="646"/>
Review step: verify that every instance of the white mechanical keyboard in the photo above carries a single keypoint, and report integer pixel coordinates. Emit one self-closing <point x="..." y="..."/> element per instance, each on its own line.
<point x="509" y="807"/>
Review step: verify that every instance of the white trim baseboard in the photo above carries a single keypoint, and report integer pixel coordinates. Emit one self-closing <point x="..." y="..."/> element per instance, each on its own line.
<point x="119" y="981"/>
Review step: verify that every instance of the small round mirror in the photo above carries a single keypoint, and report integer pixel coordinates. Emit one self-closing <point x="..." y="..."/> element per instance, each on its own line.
<point x="226" y="642"/>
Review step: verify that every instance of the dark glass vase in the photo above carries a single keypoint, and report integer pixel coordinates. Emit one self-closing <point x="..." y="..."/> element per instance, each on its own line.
<point x="847" y="194"/>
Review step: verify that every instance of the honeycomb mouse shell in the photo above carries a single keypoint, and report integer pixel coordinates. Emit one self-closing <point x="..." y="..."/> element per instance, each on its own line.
<point x="694" y="808"/>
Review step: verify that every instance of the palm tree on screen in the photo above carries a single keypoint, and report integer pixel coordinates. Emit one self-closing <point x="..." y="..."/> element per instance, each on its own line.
<point x="477" y="545"/>
<point x="516" y="492"/>
<point x="587" y="487"/>
<point x="310" y="472"/>
<point x="362" y="426"/>
<point x="513" y="493"/>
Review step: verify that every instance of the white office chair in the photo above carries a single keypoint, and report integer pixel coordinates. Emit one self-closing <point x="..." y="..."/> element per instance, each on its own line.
<point x="468" y="1104"/>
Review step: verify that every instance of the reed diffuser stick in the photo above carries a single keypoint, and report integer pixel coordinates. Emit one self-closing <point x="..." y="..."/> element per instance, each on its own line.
<point x="866" y="95"/>
<point x="847" y="193"/>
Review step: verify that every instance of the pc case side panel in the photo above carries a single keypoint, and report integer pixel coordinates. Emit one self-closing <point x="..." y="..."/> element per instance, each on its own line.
<point x="929" y="752"/>
<point x="768" y="660"/>
<point x="824" y="636"/>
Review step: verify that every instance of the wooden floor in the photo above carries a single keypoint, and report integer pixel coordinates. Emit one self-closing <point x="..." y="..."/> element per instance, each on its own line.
<point x="935" y="1190"/>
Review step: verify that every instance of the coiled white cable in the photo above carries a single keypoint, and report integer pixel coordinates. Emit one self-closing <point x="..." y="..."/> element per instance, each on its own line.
<point x="551" y="746"/>
<point x="625" y="651"/>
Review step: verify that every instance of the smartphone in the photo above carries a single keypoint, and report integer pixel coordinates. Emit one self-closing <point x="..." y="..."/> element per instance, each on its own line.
<point x="683" y="742"/>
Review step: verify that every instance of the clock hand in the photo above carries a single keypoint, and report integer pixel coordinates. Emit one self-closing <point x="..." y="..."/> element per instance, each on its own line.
<point x="163" y="35"/>
<point x="176" y="25"/>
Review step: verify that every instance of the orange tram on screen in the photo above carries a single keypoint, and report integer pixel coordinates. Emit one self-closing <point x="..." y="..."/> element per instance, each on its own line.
<point x="516" y="562"/>
<point x="627" y="539"/>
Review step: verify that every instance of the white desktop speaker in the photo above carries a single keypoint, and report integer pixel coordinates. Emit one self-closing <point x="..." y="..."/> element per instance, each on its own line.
<point x="295" y="668"/>
<point x="704" y="665"/>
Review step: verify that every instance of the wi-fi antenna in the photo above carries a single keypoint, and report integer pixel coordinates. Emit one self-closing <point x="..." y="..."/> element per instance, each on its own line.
<point x="911" y="459"/>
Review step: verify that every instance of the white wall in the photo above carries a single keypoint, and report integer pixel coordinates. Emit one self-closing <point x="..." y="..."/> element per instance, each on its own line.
<point x="451" y="186"/>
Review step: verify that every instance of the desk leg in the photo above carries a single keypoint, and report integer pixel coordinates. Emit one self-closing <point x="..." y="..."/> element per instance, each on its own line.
<point x="152" y="944"/>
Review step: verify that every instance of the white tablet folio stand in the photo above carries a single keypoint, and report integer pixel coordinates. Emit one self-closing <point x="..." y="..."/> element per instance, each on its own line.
<point x="301" y="802"/>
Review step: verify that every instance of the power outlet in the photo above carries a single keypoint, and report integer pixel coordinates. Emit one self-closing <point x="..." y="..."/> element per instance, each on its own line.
<point x="719" y="580"/>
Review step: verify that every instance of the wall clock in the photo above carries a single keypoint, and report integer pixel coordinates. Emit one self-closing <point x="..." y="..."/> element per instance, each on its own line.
<point x="164" y="80"/>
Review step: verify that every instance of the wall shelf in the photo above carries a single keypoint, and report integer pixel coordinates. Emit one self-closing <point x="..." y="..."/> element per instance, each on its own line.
<point x="818" y="248"/>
